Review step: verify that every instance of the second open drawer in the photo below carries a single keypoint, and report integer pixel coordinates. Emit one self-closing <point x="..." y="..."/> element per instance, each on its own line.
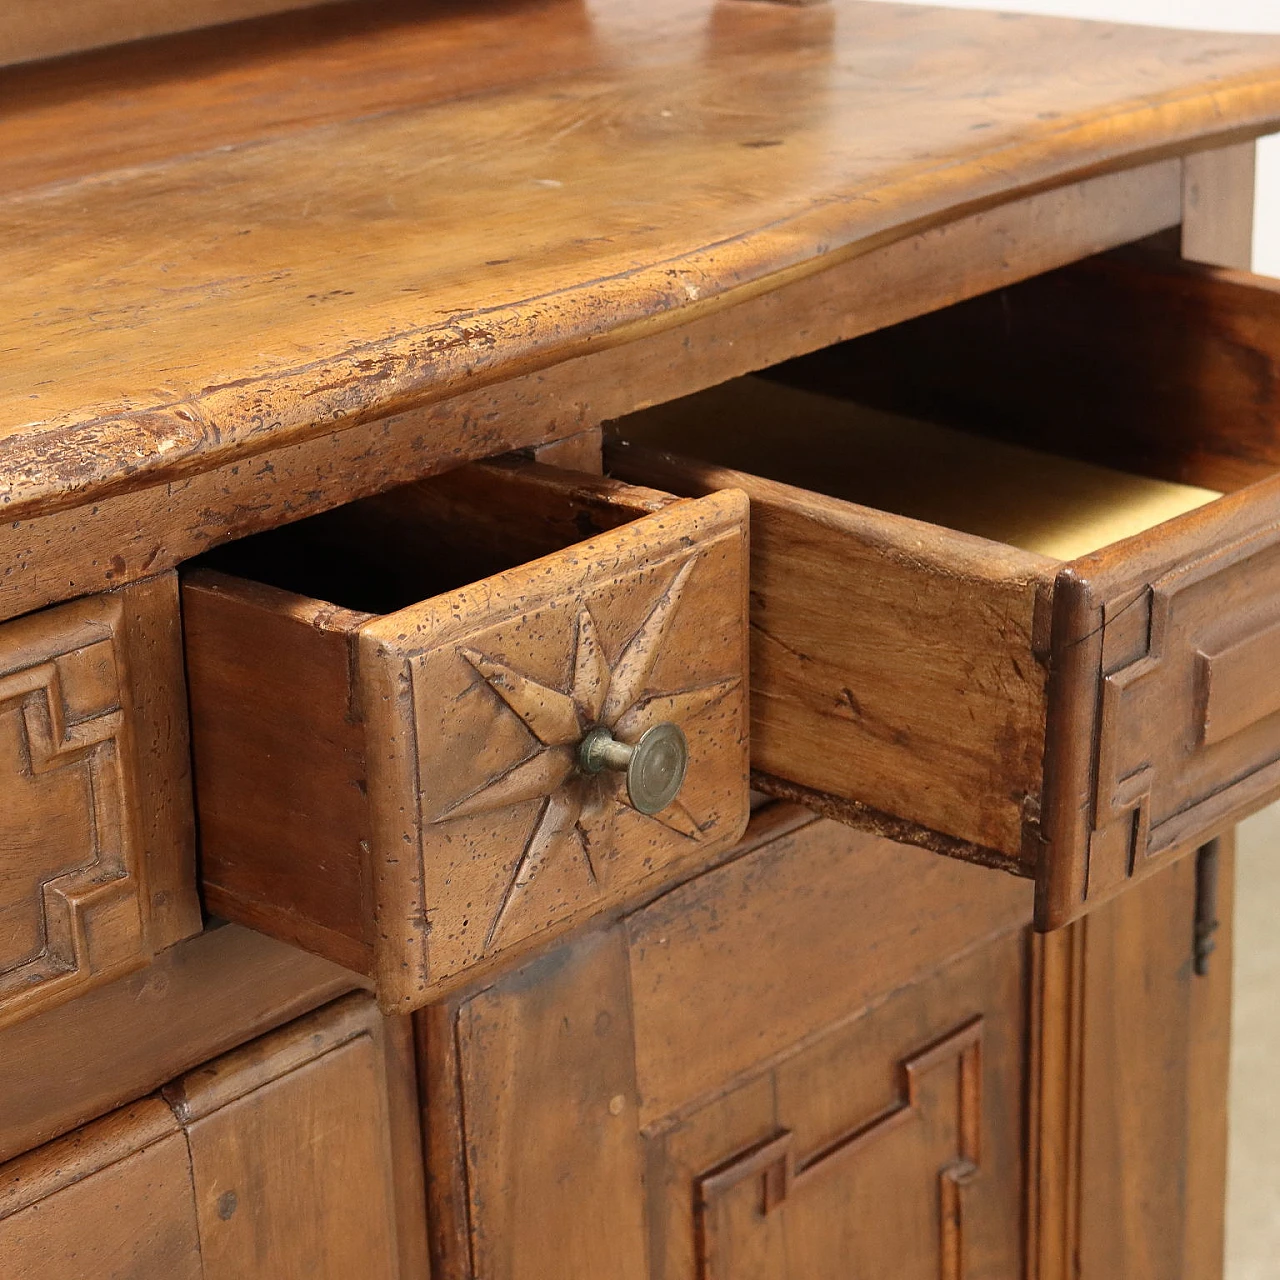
<point x="391" y="708"/>
<point x="950" y="661"/>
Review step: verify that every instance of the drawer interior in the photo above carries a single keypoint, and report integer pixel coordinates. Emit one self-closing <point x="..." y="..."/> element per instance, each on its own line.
<point x="384" y="553"/>
<point x="830" y="444"/>
<point x="1133" y="359"/>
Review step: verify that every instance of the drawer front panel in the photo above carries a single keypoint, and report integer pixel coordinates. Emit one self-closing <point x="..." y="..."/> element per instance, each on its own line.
<point x="481" y="701"/>
<point x="95" y="827"/>
<point x="1172" y="693"/>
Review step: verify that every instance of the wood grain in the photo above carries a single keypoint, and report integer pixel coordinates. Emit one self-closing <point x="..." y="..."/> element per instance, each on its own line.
<point x="290" y="1144"/>
<point x="931" y="705"/>
<point x="735" y="937"/>
<point x="276" y="1160"/>
<point x="1138" y="361"/>
<point x="1207" y="1079"/>
<point x="64" y="26"/>
<point x="143" y="530"/>
<point x="1079" y="723"/>
<point x="97" y="858"/>
<point x="113" y="1200"/>
<point x="1137" y="1088"/>
<point x="448" y="724"/>
<point x="1218" y="204"/>
<point x="907" y="1115"/>
<point x="198" y="999"/>
<point x="554" y="1172"/>
<point x="1127" y="706"/>
<point x="262" y="321"/>
<point x="889" y="1092"/>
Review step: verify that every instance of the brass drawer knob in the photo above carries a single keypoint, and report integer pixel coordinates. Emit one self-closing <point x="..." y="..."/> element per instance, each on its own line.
<point x="655" y="765"/>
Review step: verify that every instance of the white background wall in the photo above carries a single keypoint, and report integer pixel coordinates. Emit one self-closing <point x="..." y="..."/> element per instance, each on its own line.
<point x="1204" y="15"/>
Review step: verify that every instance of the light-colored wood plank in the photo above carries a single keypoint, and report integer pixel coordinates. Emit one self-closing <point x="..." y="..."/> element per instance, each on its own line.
<point x="993" y="489"/>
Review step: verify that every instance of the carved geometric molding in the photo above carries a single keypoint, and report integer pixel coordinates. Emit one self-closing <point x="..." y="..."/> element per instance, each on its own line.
<point x="1188" y="735"/>
<point x="71" y="893"/>
<point x="782" y="1175"/>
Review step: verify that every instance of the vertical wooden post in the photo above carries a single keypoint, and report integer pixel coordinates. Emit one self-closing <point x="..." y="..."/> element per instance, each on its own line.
<point x="1217" y="206"/>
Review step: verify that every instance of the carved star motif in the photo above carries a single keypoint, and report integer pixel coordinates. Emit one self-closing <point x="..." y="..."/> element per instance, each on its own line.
<point x="578" y="810"/>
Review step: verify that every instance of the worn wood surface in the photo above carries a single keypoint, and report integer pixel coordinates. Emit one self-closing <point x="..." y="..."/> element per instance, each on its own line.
<point x="113" y="1200"/>
<point x="554" y="1173"/>
<point x="279" y="765"/>
<point x="449" y="727"/>
<point x="141" y="531"/>
<point x="931" y="704"/>
<point x="123" y="1040"/>
<point x="1129" y="1089"/>
<point x="338" y="272"/>
<point x="276" y="1160"/>
<point x="53" y="27"/>
<point x="1142" y="627"/>
<point x="291" y="1151"/>
<point x="1080" y="723"/>
<point x="596" y="1097"/>
<point x="1138" y="361"/>
<point x="97" y="848"/>
<point x="889" y="1146"/>
<point x="777" y="943"/>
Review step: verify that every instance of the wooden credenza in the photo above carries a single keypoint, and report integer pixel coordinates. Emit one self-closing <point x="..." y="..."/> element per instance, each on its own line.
<point x="630" y="640"/>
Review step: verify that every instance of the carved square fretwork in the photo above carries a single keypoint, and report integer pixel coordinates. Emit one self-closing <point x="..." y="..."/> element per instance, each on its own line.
<point x="780" y="1175"/>
<point x="72" y="902"/>
<point x="1188" y="724"/>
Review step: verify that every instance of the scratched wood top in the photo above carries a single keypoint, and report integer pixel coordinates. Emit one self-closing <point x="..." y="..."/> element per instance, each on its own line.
<point x="212" y="246"/>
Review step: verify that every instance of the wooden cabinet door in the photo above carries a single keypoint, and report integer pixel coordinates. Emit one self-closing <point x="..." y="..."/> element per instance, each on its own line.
<point x="806" y="1064"/>
<point x="284" y="1159"/>
<point x="891" y="1147"/>
<point x="1129" y="1083"/>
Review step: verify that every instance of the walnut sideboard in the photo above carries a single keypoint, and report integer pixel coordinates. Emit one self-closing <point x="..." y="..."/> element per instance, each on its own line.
<point x="631" y="636"/>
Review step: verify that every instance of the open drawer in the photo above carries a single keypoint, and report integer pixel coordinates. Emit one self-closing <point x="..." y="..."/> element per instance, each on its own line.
<point x="434" y="727"/>
<point x="1011" y="657"/>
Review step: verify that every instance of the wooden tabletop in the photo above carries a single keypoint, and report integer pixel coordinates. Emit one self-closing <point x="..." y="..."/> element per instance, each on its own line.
<point x="211" y="245"/>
